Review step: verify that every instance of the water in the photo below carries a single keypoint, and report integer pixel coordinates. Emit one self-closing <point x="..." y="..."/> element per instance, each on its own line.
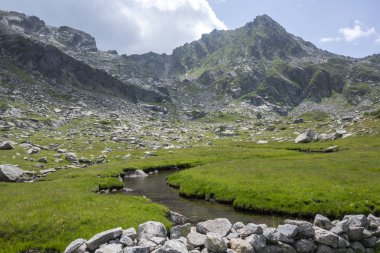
<point x="155" y="188"/>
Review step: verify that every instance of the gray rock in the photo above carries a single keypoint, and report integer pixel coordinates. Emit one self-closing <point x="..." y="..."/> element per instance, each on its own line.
<point x="136" y="173"/>
<point x="151" y="229"/>
<point x="288" y="230"/>
<point x="305" y="246"/>
<point x="103" y="237"/>
<point x="241" y="246"/>
<point x="72" y="248"/>
<point x="269" y="234"/>
<point x="258" y="242"/>
<point x="249" y="229"/>
<point x="324" y="249"/>
<point x="221" y="226"/>
<point x="326" y="237"/>
<point x="322" y="222"/>
<point x="136" y="249"/>
<point x="173" y="246"/>
<point x="238" y="227"/>
<point x="43" y="160"/>
<point x="130" y="232"/>
<point x="341" y="227"/>
<point x="196" y="239"/>
<point x="306" y="137"/>
<point x="215" y="243"/>
<point x="110" y="248"/>
<point x="47" y="171"/>
<point x="71" y="157"/>
<point x="343" y="243"/>
<point x="356" y="220"/>
<point x="355" y="233"/>
<point x="283" y="238"/>
<point x="11" y="173"/>
<point x="6" y="145"/>
<point x="127" y="241"/>
<point x="278" y="248"/>
<point x="33" y="150"/>
<point x="357" y="247"/>
<point x="180" y="231"/>
<point x="369" y="242"/>
<point x="305" y="228"/>
<point x="177" y="219"/>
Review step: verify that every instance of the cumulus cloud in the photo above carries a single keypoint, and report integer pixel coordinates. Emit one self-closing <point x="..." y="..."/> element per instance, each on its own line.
<point x="356" y="32"/>
<point x="330" y="39"/>
<point x="130" y="26"/>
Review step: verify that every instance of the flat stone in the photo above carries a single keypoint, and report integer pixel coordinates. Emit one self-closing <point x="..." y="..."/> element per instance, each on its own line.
<point x="196" y="239"/>
<point x="221" y="226"/>
<point x="103" y="237"/>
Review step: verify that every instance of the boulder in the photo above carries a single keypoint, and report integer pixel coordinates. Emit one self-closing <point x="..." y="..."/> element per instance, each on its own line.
<point x="180" y="231"/>
<point x="221" y="226"/>
<point x="326" y="237"/>
<point x="355" y="233"/>
<point x="196" y="239"/>
<point x="356" y="220"/>
<point x="241" y="246"/>
<point x="135" y="173"/>
<point x="110" y="248"/>
<point x="305" y="246"/>
<point x="173" y="246"/>
<point x="71" y="157"/>
<point x="249" y="229"/>
<point x="305" y="228"/>
<point x="258" y="242"/>
<point x="340" y="227"/>
<point x="103" y="237"/>
<point x="177" y="219"/>
<point x="215" y="243"/>
<point x="11" y="173"/>
<point x="6" y="145"/>
<point x="288" y="230"/>
<point x="151" y="229"/>
<point x="74" y="246"/>
<point x="305" y="137"/>
<point x="322" y="222"/>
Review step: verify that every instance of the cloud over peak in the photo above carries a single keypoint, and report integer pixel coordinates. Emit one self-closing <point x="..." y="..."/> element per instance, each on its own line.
<point x="356" y="32"/>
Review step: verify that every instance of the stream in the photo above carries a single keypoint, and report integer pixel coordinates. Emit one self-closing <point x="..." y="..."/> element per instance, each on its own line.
<point x="155" y="188"/>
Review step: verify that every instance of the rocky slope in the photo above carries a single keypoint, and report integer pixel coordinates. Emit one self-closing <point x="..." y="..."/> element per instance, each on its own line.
<point x="260" y="64"/>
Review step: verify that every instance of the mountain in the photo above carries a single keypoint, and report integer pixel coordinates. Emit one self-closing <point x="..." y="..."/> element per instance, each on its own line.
<point x="260" y="64"/>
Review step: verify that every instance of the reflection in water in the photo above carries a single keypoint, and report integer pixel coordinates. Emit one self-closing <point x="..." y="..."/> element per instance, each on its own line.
<point x="155" y="188"/>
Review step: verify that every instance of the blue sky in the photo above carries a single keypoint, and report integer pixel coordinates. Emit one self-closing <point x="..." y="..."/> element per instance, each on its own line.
<point x="347" y="27"/>
<point x="318" y="21"/>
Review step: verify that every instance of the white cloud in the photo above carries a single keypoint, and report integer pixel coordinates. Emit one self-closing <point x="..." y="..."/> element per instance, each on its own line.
<point x="130" y="26"/>
<point x="356" y="32"/>
<point x="330" y="39"/>
<point x="377" y="41"/>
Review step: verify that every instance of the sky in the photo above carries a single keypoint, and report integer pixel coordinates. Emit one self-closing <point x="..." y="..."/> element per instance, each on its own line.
<point x="346" y="27"/>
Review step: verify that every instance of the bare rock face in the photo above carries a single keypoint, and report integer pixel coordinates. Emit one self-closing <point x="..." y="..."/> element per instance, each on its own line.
<point x="75" y="39"/>
<point x="11" y="173"/>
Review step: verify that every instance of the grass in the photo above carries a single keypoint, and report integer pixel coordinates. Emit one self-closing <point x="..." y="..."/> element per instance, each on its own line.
<point x="270" y="178"/>
<point x="274" y="181"/>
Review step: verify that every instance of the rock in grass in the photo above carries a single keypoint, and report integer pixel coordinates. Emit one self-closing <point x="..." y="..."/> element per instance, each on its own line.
<point x="306" y="137"/>
<point x="151" y="229"/>
<point x="103" y="237"/>
<point x="173" y="246"/>
<point x="220" y="226"/>
<point x="11" y="173"/>
<point x="33" y="150"/>
<point x="241" y="246"/>
<point x="6" y="145"/>
<point x="215" y="243"/>
<point x="71" y="157"/>
<point x="75" y="245"/>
